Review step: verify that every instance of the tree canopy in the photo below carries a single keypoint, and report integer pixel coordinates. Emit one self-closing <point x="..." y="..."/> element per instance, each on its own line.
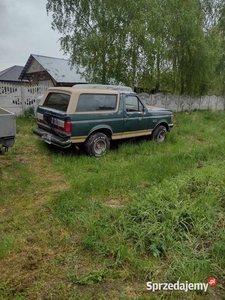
<point x="171" y="45"/>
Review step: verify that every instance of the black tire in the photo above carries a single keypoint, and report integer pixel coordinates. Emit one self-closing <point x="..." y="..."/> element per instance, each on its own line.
<point x="159" y="134"/>
<point x="97" y="144"/>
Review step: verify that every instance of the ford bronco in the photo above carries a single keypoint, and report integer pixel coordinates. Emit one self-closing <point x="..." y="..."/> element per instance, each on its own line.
<point x="94" y="115"/>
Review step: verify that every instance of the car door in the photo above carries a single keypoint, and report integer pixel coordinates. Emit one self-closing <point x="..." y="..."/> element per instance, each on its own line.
<point x="136" y="121"/>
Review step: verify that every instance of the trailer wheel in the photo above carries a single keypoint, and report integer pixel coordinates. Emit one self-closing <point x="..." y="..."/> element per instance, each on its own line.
<point x="2" y="152"/>
<point x="97" y="144"/>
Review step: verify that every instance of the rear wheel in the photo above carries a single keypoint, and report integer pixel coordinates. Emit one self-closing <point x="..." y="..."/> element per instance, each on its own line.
<point x="97" y="144"/>
<point x="159" y="134"/>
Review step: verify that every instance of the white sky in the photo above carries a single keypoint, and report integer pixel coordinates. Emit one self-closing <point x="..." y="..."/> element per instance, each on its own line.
<point x="26" y="29"/>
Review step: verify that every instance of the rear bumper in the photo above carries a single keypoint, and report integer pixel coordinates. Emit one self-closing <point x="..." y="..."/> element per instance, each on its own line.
<point x="50" y="138"/>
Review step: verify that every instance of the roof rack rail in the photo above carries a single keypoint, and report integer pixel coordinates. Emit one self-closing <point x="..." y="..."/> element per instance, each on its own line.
<point x="104" y="86"/>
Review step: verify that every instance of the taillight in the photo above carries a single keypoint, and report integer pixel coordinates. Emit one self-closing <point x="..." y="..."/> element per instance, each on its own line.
<point x="67" y="126"/>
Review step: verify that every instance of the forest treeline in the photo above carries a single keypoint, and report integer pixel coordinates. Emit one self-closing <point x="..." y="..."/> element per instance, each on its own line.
<point x="173" y="46"/>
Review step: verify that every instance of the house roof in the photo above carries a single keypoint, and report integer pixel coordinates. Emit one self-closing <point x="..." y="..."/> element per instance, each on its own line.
<point x="58" y="68"/>
<point x="11" y="74"/>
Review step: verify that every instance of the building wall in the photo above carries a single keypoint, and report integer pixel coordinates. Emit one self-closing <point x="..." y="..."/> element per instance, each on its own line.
<point x="35" y="67"/>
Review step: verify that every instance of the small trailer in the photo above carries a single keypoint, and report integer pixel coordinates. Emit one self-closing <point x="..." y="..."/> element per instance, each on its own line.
<point x="7" y="129"/>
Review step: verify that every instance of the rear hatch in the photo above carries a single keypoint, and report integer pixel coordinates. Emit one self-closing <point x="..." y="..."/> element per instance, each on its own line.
<point x="51" y="115"/>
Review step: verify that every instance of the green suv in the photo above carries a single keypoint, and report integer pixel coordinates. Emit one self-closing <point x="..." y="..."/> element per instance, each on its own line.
<point x="94" y="115"/>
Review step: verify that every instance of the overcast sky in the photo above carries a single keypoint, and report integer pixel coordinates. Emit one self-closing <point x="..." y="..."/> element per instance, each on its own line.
<point x="26" y="29"/>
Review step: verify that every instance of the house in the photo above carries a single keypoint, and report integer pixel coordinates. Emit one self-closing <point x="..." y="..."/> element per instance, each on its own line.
<point x="11" y="74"/>
<point x="56" y="71"/>
<point x="20" y="86"/>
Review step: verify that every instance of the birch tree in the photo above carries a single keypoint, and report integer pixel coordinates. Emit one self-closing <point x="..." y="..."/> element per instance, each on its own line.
<point x="173" y="45"/>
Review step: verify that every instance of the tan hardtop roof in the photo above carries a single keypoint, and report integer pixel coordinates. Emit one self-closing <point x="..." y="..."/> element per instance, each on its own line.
<point x="104" y="87"/>
<point x="85" y="90"/>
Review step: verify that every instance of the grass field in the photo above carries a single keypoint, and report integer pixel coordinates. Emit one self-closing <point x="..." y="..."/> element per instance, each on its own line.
<point x="77" y="227"/>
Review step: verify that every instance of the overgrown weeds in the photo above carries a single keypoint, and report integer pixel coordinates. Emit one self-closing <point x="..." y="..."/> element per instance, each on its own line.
<point x="76" y="227"/>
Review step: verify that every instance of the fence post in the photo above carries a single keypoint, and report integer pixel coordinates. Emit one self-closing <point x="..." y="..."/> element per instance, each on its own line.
<point x="23" y="98"/>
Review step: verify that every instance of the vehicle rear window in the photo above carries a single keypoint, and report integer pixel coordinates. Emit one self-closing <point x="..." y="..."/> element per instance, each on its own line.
<point x="58" y="101"/>
<point x="96" y="102"/>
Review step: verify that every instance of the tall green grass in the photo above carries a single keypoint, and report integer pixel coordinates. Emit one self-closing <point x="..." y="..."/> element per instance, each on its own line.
<point x="143" y="211"/>
<point x="170" y="200"/>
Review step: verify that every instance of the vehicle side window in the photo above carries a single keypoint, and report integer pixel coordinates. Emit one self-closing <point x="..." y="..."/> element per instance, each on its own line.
<point x="57" y="101"/>
<point x="133" y="104"/>
<point x="96" y="102"/>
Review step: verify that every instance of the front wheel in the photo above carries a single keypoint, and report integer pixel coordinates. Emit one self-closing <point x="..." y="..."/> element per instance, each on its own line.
<point x="159" y="134"/>
<point x="97" y="144"/>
